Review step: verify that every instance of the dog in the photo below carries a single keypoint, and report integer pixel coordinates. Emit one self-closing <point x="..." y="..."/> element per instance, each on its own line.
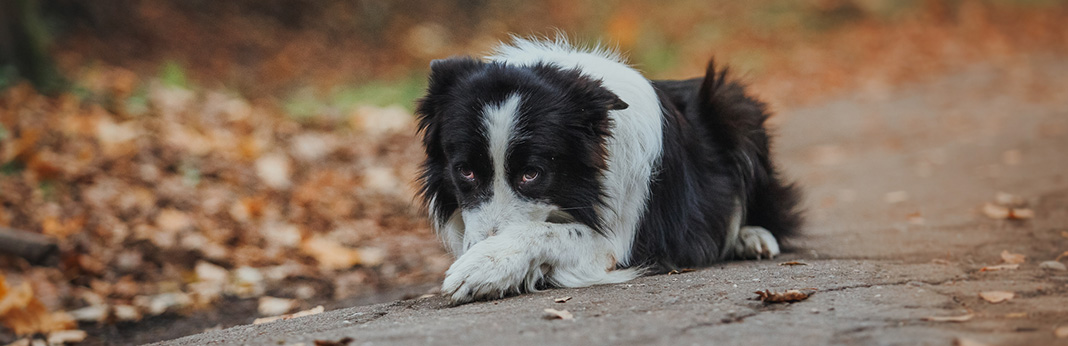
<point x="551" y="165"/>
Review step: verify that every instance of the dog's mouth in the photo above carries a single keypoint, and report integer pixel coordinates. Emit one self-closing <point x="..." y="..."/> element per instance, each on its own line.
<point x="560" y="216"/>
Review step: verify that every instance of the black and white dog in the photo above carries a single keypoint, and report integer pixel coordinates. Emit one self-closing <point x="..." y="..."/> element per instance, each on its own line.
<point x="551" y="165"/>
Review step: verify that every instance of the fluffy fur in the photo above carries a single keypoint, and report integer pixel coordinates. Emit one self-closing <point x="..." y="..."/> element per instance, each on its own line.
<point x="554" y="165"/>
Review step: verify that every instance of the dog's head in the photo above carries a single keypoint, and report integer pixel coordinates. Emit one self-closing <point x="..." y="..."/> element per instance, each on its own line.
<point x="511" y="144"/>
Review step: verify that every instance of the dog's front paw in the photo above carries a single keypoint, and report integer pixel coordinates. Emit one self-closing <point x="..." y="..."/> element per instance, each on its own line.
<point x="756" y="242"/>
<point x="490" y="269"/>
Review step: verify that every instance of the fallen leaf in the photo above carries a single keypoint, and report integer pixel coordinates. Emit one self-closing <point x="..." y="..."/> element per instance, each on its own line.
<point x="915" y="218"/>
<point x="1016" y="315"/>
<point x="1021" y="213"/>
<point x="1053" y="265"/>
<point x="1062" y="255"/>
<point x="1012" y="258"/>
<point x="680" y="271"/>
<point x="967" y="342"/>
<point x="961" y="318"/>
<point x="996" y="212"/>
<point x="785" y="297"/>
<point x="996" y="296"/>
<point x="317" y="310"/>
<point x="1061" y="332"/>
<point x="553" y="314"/>
<point x="562" y="300"/>
<point x="24" y="314"/>
<point x="1064" y="234"/>
<point x="793" y="263"/>
<point x="271" y="306"/>
<point x="341" y="342"/>
<point x="1000" y="267"/>
<point x="66" y="337"/>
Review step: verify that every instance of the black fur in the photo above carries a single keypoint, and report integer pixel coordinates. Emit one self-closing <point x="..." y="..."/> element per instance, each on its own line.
<point x="561" y="129"/>
<point x="716" y="150"/>
<point x="716" y="153"/>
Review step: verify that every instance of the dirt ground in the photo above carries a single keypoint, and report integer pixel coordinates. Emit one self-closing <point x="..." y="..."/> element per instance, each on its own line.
<point x="896" y="184"/>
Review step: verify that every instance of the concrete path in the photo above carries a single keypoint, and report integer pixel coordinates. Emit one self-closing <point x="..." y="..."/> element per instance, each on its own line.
<point x="895" y="185"/>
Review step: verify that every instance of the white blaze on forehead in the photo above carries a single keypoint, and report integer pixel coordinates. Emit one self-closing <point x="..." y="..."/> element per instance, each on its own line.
<point x="499" y="124"/>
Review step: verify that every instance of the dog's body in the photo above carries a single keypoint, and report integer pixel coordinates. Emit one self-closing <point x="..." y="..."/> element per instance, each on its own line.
<point x="548" y="164"/>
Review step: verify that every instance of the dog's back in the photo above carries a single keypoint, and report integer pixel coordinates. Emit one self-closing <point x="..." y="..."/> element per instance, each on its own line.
<point x="735" y="122"/>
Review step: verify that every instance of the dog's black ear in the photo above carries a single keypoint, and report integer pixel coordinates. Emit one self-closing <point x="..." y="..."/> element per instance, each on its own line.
<point x="444" y="73"/>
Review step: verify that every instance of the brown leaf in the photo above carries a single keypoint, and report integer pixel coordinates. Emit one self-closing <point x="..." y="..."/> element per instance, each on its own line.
<point x="1012" y="258"/>
<point x="1021" y="213"/>
<point x="1061" y="332"/>
<point x="553" y="314"/>
<point x="24" y="314"/>
<point x="996" y="212"/>
<point x="785" y="297"/>
<point x="1000" y="267"/>
<point x="996" y="296"/>
<point x="1016" y="315"/>
<point x="793" y="263"/>
<point x="341" y="342"/>
<point x="961" y="318"/>
<point x="562" y="300"/>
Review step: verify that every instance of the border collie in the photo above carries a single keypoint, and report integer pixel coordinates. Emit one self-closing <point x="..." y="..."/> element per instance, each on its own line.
<point x="554" y="165"/>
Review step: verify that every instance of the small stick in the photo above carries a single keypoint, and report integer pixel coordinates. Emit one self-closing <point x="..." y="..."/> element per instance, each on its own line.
<point x="36" y="248"/>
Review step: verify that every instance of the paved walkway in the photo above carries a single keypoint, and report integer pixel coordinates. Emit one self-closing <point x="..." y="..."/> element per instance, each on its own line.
<point x="895" y="186"/>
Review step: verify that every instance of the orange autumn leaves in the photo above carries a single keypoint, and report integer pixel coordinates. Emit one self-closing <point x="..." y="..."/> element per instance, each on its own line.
<point x="24" y="314"/>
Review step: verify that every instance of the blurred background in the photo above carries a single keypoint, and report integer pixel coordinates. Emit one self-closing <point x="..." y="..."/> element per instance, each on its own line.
<point x="170" y="166"/>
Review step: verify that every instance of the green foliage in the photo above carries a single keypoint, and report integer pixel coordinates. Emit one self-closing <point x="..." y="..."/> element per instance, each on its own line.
<point x="173" y="74"/>
<point x="307" y="103"/>
<point x="8" y="76"/>
<point x="137" y="103"/>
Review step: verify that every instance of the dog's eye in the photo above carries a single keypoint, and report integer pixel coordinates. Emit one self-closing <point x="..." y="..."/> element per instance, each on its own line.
<point x="465" y="172"/>
<point x="529" y="175"/>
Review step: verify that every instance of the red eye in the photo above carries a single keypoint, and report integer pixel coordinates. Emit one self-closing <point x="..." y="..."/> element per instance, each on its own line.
<point x="529" y="176"/>
<point x="466" y="173"/>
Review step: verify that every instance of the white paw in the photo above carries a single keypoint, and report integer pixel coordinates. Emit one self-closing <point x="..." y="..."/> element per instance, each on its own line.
<point x="756" y="242"/>
<point x="490" y="269"/>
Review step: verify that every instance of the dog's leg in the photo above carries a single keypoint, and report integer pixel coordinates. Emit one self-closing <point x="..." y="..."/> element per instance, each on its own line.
<point x="521" y="255"/>
<point x="755" y="242"/>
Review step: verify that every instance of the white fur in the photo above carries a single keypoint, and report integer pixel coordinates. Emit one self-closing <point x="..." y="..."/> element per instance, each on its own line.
<point x="756" y="242"/>
<point x="506" y="245"/>
<point x="635" y="146"/>
<point x="521" y="254"/>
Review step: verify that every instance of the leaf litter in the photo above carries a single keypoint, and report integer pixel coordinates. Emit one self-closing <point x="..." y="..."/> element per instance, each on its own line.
<point x="788" y="296"/>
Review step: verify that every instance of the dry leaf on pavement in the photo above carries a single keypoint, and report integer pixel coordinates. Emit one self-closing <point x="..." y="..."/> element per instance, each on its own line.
<point x="996" y="296"/>
<point x="562" y="300"/>
<point x="785" y="297"/>
<point x="1061" y="332"/>
<point x="793" y="263"/>
<point x="1000" y="267"/>
<point x="1012" y="258"/>
<point x="553" y="314"/>
<point x="961" y="318"/>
